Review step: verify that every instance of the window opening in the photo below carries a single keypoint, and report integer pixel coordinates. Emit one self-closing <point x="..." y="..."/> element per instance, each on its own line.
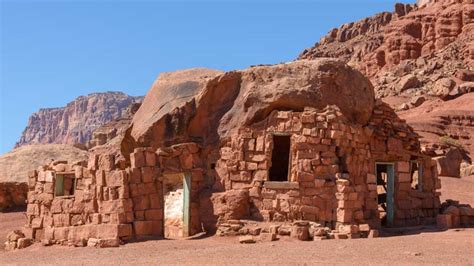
<point x="65" y="185"/>
<point x="416" y="174"/>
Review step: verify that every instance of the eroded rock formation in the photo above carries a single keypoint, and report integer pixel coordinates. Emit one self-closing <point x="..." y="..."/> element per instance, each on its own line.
<point x="75" y="122"/>
<point x="212" y="105"/>
<point x="418" y="56"/>
<point x="376" y="44"/>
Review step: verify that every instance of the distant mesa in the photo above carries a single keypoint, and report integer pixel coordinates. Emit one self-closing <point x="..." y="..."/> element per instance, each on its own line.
<point x="76" y="122"/>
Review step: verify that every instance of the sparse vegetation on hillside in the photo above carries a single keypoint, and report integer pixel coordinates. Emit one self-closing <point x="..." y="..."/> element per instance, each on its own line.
<point x="450" y="142"/>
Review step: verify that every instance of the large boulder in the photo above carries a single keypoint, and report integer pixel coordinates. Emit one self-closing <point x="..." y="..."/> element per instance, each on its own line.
<point x="407" y="82"/>
<point x="450" y="163"/>
<point x="443" y="87"/>
<point x="462" y="89"/>
<point x="168" y="93"/>
<point x="467" y="169"/>
<point x="211" y="105"/>
<point x="231" y="204"/>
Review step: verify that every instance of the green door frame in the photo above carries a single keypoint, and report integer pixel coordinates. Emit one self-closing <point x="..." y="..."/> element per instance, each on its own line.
<point x="186" y="203"/>
<point x="390" y="190"/>
<point x="186" y="177"/>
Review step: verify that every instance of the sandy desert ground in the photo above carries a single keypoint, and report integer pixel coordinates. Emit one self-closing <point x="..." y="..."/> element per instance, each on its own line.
<point x="461" y="189"/>
<point x="452" y="247"/>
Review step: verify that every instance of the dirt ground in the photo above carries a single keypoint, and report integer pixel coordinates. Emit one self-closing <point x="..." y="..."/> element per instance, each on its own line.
<point x="452" y="247"/>
<point x="461" y="189"/>
<point x="10" y="221"/>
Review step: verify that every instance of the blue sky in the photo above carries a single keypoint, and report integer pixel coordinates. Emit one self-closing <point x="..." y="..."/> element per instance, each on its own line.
<point x="54" y="51"/>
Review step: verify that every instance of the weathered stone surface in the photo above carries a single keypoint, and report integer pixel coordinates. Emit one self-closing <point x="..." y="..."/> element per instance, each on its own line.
<point x="15" y="235"/>
<point x="108" y="243"/>
<point x="449" y="164"/>
<point x="300" y="232"/>
<point x="432" y="42"/>
<point x="387" y="40"/>
<point x="221" y="134"/>
<point x="466" y="170"/>
<point x="407" y="82"/>
<point x="246" y="240"/>
<point x="75" y="122"/>
<point x="267" y="237"/>
<point x="417" y="101"/>
<point x="213" y="98"/>
<point x="24" y="242"/>
<point x="443" y="221"/>
<point x="443" y="87"/>
<point x="12" y="194"/>
<point x="232" y="204"/>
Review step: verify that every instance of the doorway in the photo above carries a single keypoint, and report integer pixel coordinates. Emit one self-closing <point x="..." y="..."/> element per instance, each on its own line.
<point x="280" y="158"/>
<point x="176" y="195"/>
<point x="385" y="186"/>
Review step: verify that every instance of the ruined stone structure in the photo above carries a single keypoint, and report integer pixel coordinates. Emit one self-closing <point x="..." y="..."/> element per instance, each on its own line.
<point x="331" y="172"/>
<point x="74" y="203"/>
<point x="301" y="142"/>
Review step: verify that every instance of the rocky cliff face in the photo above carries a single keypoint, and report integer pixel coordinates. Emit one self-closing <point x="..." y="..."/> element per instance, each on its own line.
<point x="107" y="138"/>
<point x="407" y="51"/>
<point x="420" y="59"/>
<point x="75" y="122"/>
<point x="430" y="42"/>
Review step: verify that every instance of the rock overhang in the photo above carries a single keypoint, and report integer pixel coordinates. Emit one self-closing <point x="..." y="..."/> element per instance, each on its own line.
<point x="212" y="105"/>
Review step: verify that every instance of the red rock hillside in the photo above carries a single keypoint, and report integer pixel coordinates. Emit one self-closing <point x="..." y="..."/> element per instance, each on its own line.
<point x="377" y="44"/>
<point x="420" y="58"/>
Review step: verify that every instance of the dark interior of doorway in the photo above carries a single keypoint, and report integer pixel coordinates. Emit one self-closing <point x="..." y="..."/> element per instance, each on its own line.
<point x="280" y="158"/>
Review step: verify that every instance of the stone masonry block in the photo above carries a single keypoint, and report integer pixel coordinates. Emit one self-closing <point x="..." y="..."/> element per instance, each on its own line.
<point x="61" y="220"/>
<point x="106" y="162"/>
<point x="154" y="215"/>
<point x="404" y="177"/>
<point x="116" y="178"/>
<point x="150" y="158"/>
<point x="143" y="227"/>
<point x="137" y="159"/>
<point x="344" y="215"/>
<point x="403" y="167"/>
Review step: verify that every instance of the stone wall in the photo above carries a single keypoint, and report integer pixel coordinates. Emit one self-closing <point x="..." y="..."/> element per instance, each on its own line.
<point x="332" y="170"/>
<point x="332" y="181"/>
<point x="110" y="203"/>
<point x="153" y="166"/>
<point x="394" y="141"/>
<point x="99" y="207"/>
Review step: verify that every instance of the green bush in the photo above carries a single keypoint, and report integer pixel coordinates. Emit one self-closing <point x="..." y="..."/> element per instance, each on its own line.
<point x="450" y="142"/>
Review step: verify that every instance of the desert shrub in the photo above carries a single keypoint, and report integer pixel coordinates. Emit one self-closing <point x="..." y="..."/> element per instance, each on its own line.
<point x="450" y="142"/>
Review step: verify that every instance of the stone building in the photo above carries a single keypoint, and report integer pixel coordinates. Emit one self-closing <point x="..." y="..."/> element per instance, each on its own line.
<point x="302" y="142"/>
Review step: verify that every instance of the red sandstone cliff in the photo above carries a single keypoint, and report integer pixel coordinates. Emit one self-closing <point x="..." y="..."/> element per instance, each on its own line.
<point x="75" y="122"/>
<point x="380" y="43"/>
<point x="419" y="58"/>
